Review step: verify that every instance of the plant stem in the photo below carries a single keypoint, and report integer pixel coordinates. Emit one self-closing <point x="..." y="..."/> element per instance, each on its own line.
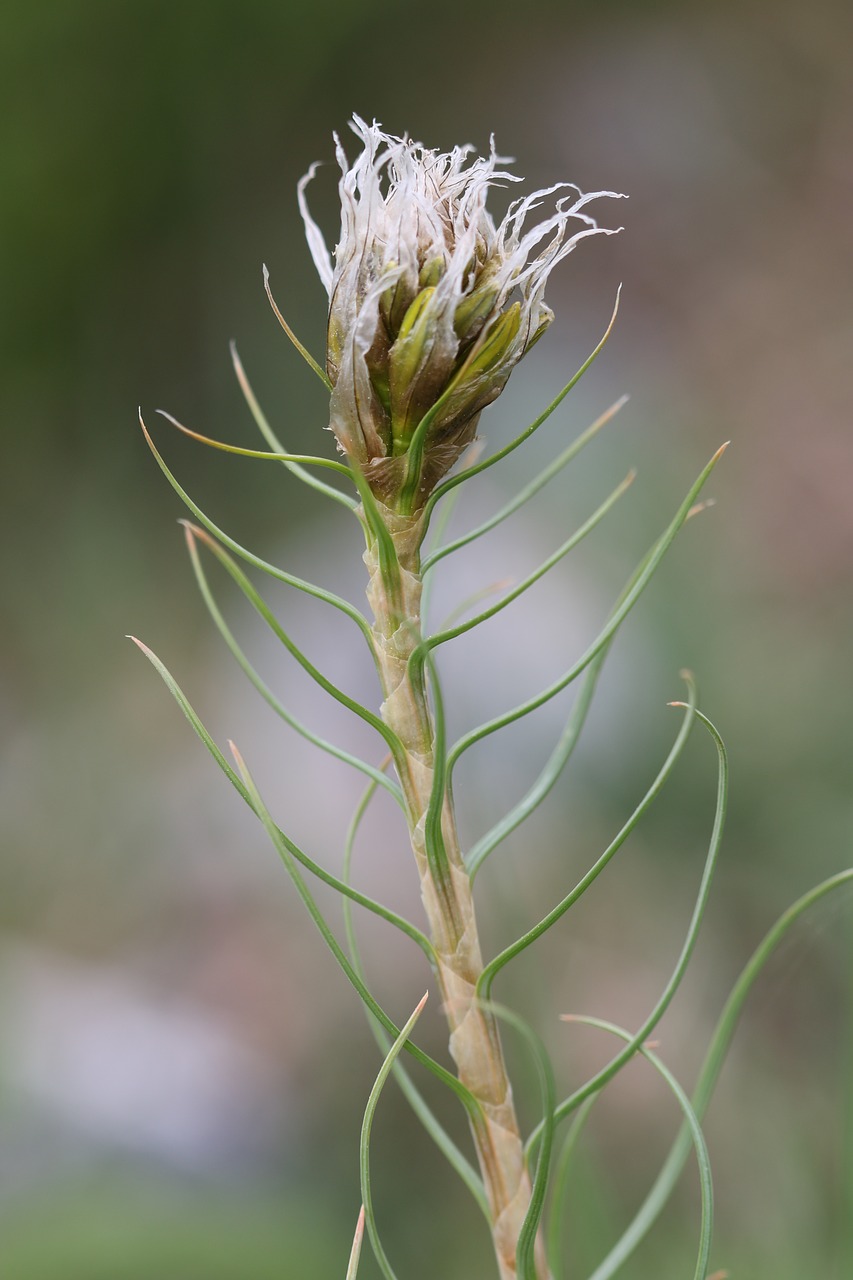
<point x="446" y="891"/>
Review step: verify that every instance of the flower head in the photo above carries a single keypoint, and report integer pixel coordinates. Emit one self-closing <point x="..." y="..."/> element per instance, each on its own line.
<point x="431" y="303"/>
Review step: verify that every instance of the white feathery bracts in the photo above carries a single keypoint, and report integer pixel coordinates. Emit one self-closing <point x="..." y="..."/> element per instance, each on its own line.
<point x="431" y="303"/>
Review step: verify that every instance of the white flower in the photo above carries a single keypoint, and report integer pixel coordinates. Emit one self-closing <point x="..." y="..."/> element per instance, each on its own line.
<point x="431" y="304"/>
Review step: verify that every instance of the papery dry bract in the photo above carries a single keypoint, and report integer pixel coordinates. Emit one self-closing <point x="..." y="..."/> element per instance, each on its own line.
<point x="431" y="304"/>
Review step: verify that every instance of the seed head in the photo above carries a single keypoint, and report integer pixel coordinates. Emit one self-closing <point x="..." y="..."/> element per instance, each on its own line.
<point x="431" y="304"/>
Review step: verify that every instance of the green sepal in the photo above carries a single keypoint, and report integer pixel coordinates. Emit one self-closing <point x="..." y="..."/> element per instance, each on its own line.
<point x="497" y="343"/>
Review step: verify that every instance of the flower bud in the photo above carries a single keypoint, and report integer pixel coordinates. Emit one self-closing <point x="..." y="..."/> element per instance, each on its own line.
<point x="431" y="303"/>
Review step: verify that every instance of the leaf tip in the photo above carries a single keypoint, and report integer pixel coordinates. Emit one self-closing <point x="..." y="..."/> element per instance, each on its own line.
<point x="140" y="645"/>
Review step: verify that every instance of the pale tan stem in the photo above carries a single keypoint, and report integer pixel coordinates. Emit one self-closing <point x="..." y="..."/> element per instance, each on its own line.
<point x="474" y="1038"/>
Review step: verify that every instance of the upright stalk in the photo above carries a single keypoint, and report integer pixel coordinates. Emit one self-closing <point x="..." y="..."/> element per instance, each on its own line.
<point x="447" y="897"/>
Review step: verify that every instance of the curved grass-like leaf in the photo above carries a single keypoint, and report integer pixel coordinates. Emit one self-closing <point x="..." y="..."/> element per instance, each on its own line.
<point x="462" y="608"/>
<point x="436" y="850"/>
<point x="616" y="1064"/>
<point x="487" y="977"/>
<point x="554" y="766"/>
<point x="262" y="608"/>
<point x="412" y="1094"/>
<point x="294" y="851"/>
<point x="380" y="778"/>
<point x="524" y="495"/>
<point x="667" y="1179"/>
<point x="389" y="564"/>
<point x="352" y="1269"/>
<point x="525" y="1260"/>
<point x="478" y="467"/>
<point x="558" y="758"/>
<point x="284" y="847"/>
<point x="303" y="351"/>
<point x="283" y="576"/>
<point x="304" y="459"/>
<point x="364" y="1144"/>
<point x="587" y="527"/>
<point x="560" y="1186"/>
<point x="273" y="441"/>
<point x="631" y="593"/>
<point x="693" y="1128"/>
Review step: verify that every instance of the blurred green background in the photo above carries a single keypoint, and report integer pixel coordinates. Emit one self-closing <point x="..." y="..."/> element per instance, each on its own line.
<point x="182" y="1069"/>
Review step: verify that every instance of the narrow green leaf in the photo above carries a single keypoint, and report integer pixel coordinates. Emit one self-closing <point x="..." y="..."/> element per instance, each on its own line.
<point x="439" y="528"/>
<point x="308" y="587"/>
<point x="616" y="1064"/>
<point x="415" y="1099"/>
<point x="433" y="836"/>
<point x="487" y="977"/>
<point x="364" y="1145"/>
<point x="462" y="608"/>
<point x="667" y="1179"/>
<point x="633" y="590"/>
<point x="264" y="690"/>
<point x="547" y="778"/>
<point x="262" y="608"/>
<point x="389" y="565"/>
<point x="693" y="1128"/>
<point x="305" y="459"/>
<point x="326" y="876"/>
<point x="286" y="853"/>
<point x="528" y="432"/>
<point x="525" y="1260"/>
<point x="560" y="1182"/>
<point x="273" y="441"/>
<point x="434" y="641"/>
<point x="524" y="495"/>
<point x="303" y="351"/>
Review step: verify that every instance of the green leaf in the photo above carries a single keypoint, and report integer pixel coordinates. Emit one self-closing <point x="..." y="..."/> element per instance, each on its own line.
<point x="364" y="1145"/>
<point x="286" y="852"/>
<point x="293" y="850"/>
<point x="274" y="442"/>
<point x="560" y="1184"/>
<point x="667" y="1179"/>
<point x="266" y="693"/>
<point x="304" y="458"/>
<point x="303" y="351"/>
<point x="433" y="836"/>
<point x="487" y="977"/>
<point x="633" y="590"/>
<point x="528" y="432"/>
<point x="525" y="1251"/>
<point x="693" y="1128"/>
<point x="389" y="565"/>
<point x="262" y="608"/>
<point x="434" y="641"/>
<point x="415" y="1099"/>
<point x="524" y="495"/>
<point x="308" y="587"/>
<point x="547" y="778"/>
<point x="616" y="1064"/>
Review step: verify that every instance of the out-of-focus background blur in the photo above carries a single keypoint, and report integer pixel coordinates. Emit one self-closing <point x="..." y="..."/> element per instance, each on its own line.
<point x="183" y="1068"/>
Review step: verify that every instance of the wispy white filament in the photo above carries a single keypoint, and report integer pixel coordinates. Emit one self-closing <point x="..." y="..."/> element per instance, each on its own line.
<point x="412" y="220"/>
